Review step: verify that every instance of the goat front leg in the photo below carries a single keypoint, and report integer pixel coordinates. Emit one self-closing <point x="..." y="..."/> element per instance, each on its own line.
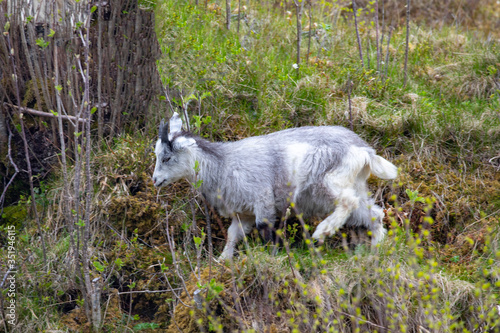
<point x="265" y="216"/>
<point x="240" y="226"/>
<point x="265" y="230"/>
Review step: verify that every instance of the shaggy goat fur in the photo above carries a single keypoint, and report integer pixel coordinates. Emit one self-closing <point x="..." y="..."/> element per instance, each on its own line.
<point x="322" y="170"/>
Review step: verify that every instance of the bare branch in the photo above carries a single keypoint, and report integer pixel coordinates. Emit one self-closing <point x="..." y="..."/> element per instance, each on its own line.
<point x="147" y="291"/>
<point x="43" y="114"/>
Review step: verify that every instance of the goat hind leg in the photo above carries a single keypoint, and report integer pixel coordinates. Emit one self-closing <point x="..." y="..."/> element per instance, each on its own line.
<point x="369" y="215"/>
<point x="346" y="203"/>
<point x="377" y="225"/>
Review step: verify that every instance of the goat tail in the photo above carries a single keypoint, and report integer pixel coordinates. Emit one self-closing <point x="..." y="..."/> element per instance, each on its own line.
<point x="382" y="168"/>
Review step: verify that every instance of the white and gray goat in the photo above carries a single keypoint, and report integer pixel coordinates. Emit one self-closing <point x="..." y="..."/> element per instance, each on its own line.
<point x="322" y="170"/>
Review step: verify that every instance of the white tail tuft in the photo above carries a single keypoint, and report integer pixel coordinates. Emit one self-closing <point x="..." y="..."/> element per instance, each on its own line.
<point x="382" y="168"/>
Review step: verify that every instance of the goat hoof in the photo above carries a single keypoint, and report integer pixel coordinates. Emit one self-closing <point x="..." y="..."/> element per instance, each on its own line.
<point x="318" y="241"/>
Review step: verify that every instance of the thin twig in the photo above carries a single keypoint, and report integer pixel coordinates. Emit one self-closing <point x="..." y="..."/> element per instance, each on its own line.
<point x="172" y="251"/>
<point x="239" y="18"/>
<point x="209" y="239"/>
<point x="407" y="42"/>
<point x="92" y="288"/>
<point x="67" y="204"/>
<point x="368" y="49"/>
<point x="354" y="10"/>
<point x="228" y="14"/>
<point x="184" y="110"/>
<point x="299" y="31"/>
<point x="377" y="35"/>
<point x="310" y="33"/>
<point x="383" y="25"/>
<point x="100" y="113"/>
<point x="16" y="169"/>
<point x="387" y="53"/>
<point x="349" y="87"/>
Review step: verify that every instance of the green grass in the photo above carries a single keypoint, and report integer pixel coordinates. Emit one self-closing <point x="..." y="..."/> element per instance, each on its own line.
<point x="450" y="71"/>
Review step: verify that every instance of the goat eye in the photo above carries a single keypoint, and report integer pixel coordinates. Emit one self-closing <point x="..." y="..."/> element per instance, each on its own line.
<point x="166" y="159"/>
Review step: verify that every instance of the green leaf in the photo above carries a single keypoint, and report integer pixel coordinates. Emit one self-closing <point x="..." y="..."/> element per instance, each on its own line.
<point x="54" y="113"/>
<point x="198" y="183"/>
<point x="98" y="266"/>
<point x="197" y="241"/>
<point x="77" y="134"/>
<point x="197" y="122"/>
<point x="185" y="226"/>
<point x="58" y="87"/>
<point x="205" y="95"/>
<point x="119" y="263"/>
<point x="413" y="196"/>
<point x="52" y="33"/>
<point x="42" y="43"/>
<point x="93" y="110"/>
<point x="207" y="120"/>
<point x="190" y="97"/>
<point x="146" y="326"/>
<point x="93" y="9"/>
<point x="214" y="289"/>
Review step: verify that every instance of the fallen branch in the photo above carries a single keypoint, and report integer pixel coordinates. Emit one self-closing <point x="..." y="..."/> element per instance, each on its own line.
<point x="42" y="114"/>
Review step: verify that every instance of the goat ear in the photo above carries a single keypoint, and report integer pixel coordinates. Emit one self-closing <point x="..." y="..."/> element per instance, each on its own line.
<point x="175" y="124"/>
<point x="163" y="132"/>
<point x="182" y="142"/>
<point x="162" y="124"/>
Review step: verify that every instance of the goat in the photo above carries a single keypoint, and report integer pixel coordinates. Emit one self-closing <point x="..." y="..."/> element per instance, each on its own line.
<point x="321" y="170"/>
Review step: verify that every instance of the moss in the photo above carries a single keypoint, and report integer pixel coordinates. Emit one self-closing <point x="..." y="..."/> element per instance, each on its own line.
<point x="14" y="215"/>
<point x="219" y="310"/>
<point x="140" y="211"/>
<point x="76" y="321"/>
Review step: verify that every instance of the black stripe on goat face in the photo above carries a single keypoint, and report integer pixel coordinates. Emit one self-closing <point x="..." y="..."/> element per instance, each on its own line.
<point x="164" y="154"/>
